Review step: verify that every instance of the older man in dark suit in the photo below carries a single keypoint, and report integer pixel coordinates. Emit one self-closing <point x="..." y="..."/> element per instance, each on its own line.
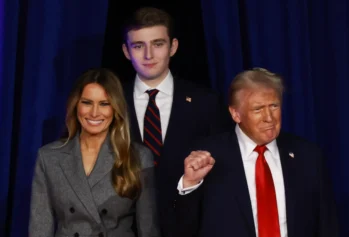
<point x="258" y="181"/>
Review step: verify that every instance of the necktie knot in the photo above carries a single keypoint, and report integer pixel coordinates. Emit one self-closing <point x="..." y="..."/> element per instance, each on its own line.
<point x="260" y="149"/>
<point x="152" y="93"/>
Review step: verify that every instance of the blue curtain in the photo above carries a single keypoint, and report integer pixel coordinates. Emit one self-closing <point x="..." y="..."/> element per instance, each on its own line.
<point x="8" y="41"/>
<point x="47" y="44"/>
<point x="307" y="42"/>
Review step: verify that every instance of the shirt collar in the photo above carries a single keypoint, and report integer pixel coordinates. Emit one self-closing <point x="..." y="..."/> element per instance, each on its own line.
<point x="247" y="145"/>
<point x="166" y="86"/>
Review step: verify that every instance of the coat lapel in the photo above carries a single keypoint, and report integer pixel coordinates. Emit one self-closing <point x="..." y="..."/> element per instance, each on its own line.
<point x="73" y="169"/>
<point x="179" y="106"/>
<point x="239" y="182"/>
<point x="289" y="171"/>
<point x="104" y="163"/>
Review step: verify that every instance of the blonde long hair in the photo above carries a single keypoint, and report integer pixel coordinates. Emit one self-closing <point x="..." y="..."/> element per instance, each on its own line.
<point x="125" y="173"/>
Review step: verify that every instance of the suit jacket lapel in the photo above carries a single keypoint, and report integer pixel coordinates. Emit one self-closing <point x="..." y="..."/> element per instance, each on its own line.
<point x="289" y="173"/>
<point x="135" y="132"/>
<point x="73" y="169"/>
<point x="104" y="163"/>
<point x="179" y="106"/>
<point x="239" y="182"/>
<point x="177" y="110"/>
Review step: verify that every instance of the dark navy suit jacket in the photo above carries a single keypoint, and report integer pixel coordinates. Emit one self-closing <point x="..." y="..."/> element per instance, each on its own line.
<point x="196" y="112"/>
<point x="221" y="206"/>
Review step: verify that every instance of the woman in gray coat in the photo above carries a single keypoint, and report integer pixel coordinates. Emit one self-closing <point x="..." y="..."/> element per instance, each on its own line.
<point x="95" y="182"/>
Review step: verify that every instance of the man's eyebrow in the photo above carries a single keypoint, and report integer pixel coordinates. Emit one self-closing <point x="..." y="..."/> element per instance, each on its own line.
<point x="159" y="40"/>
<point x="136" y="42"/>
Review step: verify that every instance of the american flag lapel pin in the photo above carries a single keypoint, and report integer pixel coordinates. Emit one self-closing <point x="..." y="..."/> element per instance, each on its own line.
<point x="188" y="99"/>
<point x="291" y="154"/>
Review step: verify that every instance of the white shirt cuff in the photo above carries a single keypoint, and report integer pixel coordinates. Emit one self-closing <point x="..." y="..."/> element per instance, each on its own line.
<point x="184" y="191"/>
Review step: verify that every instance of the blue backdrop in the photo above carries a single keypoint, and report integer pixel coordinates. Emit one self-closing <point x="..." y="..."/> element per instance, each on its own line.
<point x="46" y="44"/>
<point x="8" y="24"/>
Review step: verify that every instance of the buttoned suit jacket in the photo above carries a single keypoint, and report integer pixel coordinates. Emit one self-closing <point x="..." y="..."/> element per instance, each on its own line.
<point x="66" y="202"/>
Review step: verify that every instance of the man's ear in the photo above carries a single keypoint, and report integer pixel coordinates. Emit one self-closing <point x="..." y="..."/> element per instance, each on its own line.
<point x="235" y="114"/>
<point x="125" y="50"/>
<point x="174" y="47"/>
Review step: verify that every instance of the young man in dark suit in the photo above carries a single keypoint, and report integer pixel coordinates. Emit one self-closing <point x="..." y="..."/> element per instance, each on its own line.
<point x="166" y="113"/>
<point x="258" y="181"/>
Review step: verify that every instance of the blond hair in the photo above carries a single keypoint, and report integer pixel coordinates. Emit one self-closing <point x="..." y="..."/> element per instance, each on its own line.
<point x="252" y="79"/>
<point x="125" y="172"/>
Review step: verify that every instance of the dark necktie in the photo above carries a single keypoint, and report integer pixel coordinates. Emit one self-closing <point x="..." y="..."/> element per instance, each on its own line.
<point x="152" y="136"/>
<point x="267" y="212"/>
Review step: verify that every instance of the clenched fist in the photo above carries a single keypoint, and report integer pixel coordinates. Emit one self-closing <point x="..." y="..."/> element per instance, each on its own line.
<point x="196" y="167"/>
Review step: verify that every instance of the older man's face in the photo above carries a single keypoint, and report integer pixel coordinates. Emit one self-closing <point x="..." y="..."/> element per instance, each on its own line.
<point x="258" y="114"/>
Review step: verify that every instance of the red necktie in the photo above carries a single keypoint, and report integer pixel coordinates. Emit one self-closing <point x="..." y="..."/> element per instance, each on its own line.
<point x="267" y="212"/>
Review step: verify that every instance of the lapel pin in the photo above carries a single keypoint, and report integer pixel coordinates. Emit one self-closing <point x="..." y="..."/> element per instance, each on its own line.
<point x="291" y="154"/>
<point x="188" y="99"/>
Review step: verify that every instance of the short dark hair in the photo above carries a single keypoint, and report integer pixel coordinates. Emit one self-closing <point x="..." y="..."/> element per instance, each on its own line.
<point x="147" y="17"/>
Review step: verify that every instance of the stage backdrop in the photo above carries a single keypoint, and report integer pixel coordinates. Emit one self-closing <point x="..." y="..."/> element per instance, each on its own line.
<point x="44" y="46"/>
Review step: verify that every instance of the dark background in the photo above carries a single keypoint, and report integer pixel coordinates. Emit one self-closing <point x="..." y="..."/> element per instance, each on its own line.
<point x="189" y="62"/>
<point x="46" y="44"/>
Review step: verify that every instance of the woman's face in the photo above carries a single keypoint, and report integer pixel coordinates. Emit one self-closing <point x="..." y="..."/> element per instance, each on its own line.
<point x="94" y="110"/>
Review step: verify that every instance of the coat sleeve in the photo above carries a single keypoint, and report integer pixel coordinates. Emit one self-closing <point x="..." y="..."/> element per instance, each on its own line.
<point x="188" y="212"/>
<point x="41" y="222"/>
<point x="146" y="205"/>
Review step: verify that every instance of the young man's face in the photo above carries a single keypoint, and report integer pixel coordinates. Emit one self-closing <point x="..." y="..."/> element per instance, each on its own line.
<point x="149" y="50"/>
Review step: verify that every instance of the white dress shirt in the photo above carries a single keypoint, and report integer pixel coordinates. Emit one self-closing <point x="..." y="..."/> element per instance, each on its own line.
<point x="163" y="100"/>
<point x="249" y="158"/>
